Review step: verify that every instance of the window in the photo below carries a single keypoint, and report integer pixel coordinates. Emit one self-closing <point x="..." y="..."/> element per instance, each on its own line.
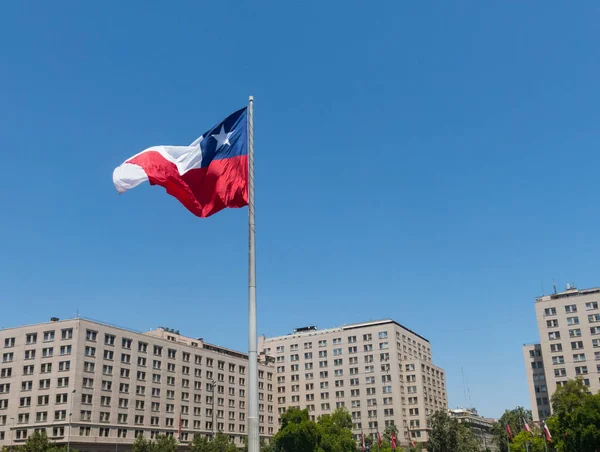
<point x="157" y="350"/>
<point x="6" y="372"/>
<point x="591" y="305"/>
<point x="9" y="342"/>
<point x="593" y="318"/>
<point x="28" y="370"/>
<point x="89" y="366"/>
<point x="47" y="352"/>
<point x="550" y="311"/>
<point x="554" y="335"/>
<point x="8" y="357"/>
<point x="66" y="334"/>
<point x="91" y="335"/>
<point x="578" y="357"/>
<point x="125" y="358"/>
<point x="553" y="323"/>
<point x="572" y="320"/>
<point x="48" y="336"/>
<point x="109" y="355"/>
<point x="90" y="351"/>
<point x="575" y="332"/>
<point x="594" y="330"/>
<point x="556" y="347"/>
<point x="31" y="338"/>
<point x="61" y="398"/>
<point x="576" y="345"/>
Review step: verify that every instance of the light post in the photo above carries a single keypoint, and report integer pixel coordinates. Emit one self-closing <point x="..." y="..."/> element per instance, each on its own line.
<point x="70" y="421"/>
<point x="212" y="385"/>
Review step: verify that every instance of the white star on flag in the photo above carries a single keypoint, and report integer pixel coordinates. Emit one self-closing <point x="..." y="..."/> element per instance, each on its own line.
<point x="222" y="138"/>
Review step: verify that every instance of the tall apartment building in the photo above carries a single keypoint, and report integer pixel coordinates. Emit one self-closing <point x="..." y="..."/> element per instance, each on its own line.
<point x="569" y="329"/>
<point x="100" y="386"/>
<point x="380" y="371"/>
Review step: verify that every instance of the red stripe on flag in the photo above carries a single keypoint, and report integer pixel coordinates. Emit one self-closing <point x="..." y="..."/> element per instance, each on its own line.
<point x="203" y="191"/>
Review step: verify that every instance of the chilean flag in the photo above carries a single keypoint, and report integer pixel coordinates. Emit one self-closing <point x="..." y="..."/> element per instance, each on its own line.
<point x="547" y="432"/>
<point x="207" y="176"/>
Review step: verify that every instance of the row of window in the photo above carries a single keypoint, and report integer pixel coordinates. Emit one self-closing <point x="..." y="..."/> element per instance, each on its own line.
<point x="575" y="332"/>
<point x="382" y="335"/>
<point x="569" y="309"/>
<point x="592" y="318"/>
<point x="48" y="336"/>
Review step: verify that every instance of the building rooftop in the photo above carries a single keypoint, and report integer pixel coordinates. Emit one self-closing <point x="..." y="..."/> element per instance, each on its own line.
<point x="571" y="291"/>
<point x="312" y="330"/>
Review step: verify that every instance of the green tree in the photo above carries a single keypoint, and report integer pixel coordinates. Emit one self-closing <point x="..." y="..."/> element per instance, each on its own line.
<point x="467" y="442"/>
<point x="449" y="435"/>
<point x="514" y="418"/>
<point x="298" y="433"/>
<point x="141" y="445"/>
<point x="221" y="443"/>
<point x="526" y="442"/>
<point x="336" y="432"/>
<point x="443" y="433"/>
<point x="39" y="442"/>
<point x="164" y="443"/>
<point x="575" y="425"/>
<point x="200" y="443"/>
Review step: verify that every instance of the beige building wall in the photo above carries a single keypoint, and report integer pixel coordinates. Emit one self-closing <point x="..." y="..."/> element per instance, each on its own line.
<point x="119" y="384"/>
<point x="569" y="328"/>
<point x="380" y="371"/>
<point x="536" y="381"/>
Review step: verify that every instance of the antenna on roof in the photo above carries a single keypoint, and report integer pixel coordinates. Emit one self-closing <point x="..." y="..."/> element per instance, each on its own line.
<point x="554" y="285"/>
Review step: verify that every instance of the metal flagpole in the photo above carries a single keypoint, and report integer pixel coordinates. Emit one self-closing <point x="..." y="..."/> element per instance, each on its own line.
<point x="253" y="438"/>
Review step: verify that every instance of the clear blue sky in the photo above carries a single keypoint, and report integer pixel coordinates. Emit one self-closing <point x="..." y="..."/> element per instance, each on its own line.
<point x="433" y="162"/>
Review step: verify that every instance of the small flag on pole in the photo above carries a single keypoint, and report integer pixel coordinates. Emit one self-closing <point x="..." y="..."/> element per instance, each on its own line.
<point x="526" y="425"/>
<point x="207" y="176"/>
<point x="363" y="442"/>
<point x="547" y="432"/>
<point x="393" y="442"/>
<point x="509" y="432"/>
<point x="379" y="439"/>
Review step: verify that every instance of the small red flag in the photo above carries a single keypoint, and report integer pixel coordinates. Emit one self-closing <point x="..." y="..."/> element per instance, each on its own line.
<point x="547" y="432"/>
<point x="509" y="432"/>
<point x="363" y="442"/>
<point x="526" y="426"/>
<point x="379" y="439"/>
<point x="393" y="442"/>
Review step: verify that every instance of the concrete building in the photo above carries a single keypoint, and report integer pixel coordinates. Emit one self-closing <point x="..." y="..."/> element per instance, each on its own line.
<point x="380" y="371"/>
<point x="481" y="426"/>
<point x="100" y="386"/>
<point x="569" y="329"/>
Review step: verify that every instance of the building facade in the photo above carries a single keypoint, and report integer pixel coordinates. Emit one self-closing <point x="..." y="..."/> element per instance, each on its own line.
<point x="481" y="426"/>
<point x="380" y="371"/>
<point x="569" y="329"/>
<point x="98" y="386"/>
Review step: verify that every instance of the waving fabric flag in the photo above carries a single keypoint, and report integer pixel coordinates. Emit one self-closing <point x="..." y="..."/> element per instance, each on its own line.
<point x="393" y="442"/>
<point x="509" y="432"/>
<point x="526" y="425"/>
<point x="207" y="176"/>
<point x="547" y="432"/>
